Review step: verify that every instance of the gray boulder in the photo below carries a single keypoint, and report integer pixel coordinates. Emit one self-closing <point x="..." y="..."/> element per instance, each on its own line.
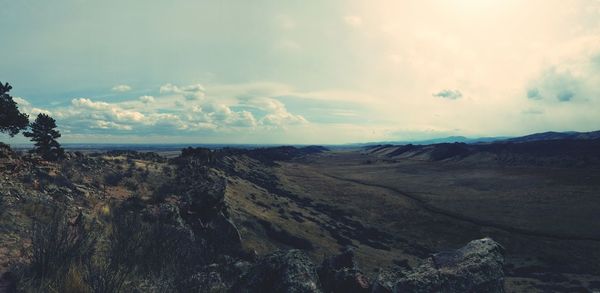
<point x="385" y="282"/>
<point x="476" y="267"/>
<point x="283" y="271"/>
<point x="340" y="274"/>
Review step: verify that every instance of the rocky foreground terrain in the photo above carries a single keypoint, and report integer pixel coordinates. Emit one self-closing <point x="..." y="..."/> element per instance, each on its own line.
<point x="264" y="220"/>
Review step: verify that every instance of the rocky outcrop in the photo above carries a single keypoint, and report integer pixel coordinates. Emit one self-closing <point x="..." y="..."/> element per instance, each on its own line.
<point x="283" y="271"/>
<point x="340" y="274"/>
<point x="476" y="267"/>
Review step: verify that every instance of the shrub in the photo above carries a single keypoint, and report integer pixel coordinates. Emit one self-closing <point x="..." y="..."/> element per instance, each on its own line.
<point x="56" y="244"/>
<point x="106" y="277"/>
<point x="58" y="249"/>
<point x="113" y="179"/>
<point x="130" y="183"/>
<point x="154" y="249"/>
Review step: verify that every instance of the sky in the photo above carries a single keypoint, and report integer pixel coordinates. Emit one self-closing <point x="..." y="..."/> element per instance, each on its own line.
<point x="302" y="72"/>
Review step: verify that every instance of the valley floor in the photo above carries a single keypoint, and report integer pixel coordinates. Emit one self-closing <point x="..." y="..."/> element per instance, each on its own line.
<point x="395" y="212"/>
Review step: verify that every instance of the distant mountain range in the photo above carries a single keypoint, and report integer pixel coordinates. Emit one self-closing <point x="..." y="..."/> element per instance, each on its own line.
<point x="550" y="135"/>
<point x="556" y="135"/>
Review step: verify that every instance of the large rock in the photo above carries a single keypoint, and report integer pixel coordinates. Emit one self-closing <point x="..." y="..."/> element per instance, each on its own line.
<point x="340" y="274"/>
<point x="385" y="282"/>
<point x="477" y="267"/>
<point x="204" y="192"/>
<point x="283" y="271"/>
<point x="222" y="233"/>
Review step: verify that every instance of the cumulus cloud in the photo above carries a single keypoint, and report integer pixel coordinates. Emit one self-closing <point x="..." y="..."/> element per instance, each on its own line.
<point x="121" y="88"/>
<point x="190" y="92"/>
<point x="231" y="108"/>
<point x="85" y="107"/>
<point x="26" y="107"/>
<point x="146" y="99"/>
<point x="448" y="94"/>
<point x="277" y="115"/>
<point x="223" y="115"/>
<point x="102" y="124"/>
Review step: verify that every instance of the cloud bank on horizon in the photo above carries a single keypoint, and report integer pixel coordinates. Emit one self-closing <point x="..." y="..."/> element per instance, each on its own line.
<point x="303" y="72"/>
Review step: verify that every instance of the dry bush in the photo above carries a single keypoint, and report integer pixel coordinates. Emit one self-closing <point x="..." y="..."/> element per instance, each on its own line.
<point x="59" y="248"/>
<point x="154" y="250"/>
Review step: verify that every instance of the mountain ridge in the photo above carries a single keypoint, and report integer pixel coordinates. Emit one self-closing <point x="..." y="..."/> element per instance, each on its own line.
<point x="538" y="136"/>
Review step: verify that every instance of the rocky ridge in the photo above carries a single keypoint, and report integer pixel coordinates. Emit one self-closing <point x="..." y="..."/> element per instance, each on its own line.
<point x="183" y="201"/>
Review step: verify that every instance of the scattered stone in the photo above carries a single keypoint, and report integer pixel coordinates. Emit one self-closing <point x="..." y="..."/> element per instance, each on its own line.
<point x="283" y="271"/>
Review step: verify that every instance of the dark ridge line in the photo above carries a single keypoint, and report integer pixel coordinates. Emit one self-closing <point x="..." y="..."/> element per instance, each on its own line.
<point x="428" y="207"/>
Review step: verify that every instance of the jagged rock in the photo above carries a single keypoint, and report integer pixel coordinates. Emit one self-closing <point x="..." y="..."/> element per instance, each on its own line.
<point x="205" y="193"/>
<point x="210" y="281"/>
<point x="225" y="234"/>
<point x="283" y="271"/>
<point x="340" y="274"/>
<point x="169" y="213"/>
<point x="476" y="267"/>
<point x="385" y="282"/>
<point x="82" y="189"/>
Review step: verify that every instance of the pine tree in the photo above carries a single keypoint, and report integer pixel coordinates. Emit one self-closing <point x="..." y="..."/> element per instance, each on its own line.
<point x="44" y="134"/>
<point x="11" y="119"/>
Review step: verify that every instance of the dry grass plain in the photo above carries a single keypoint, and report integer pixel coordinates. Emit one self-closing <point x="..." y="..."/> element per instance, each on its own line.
<point x="395" y="212"/>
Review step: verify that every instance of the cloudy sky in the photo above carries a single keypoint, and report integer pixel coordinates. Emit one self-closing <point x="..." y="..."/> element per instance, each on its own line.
<point x="303" y="71"/>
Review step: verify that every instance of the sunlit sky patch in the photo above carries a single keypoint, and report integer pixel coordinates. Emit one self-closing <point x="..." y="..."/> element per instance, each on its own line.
<point x="303" y="71"/>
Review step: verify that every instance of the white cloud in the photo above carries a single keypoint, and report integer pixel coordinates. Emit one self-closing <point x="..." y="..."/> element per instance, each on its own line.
<point x="102" y="124"/>
<point x="222" y="114"/>
<point x="85" y="107"/>
<point x="230" y="109"/>
<point x="121" y="88"/>
<point x="190" y="92"/>
<point x="277" y="115"/>
<point x="35" y="111"/>
<point x="87" y="103"/>
<point x="26" y="107"/>
<point x="146" y="99"/>
<point x="21" y="102"/>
